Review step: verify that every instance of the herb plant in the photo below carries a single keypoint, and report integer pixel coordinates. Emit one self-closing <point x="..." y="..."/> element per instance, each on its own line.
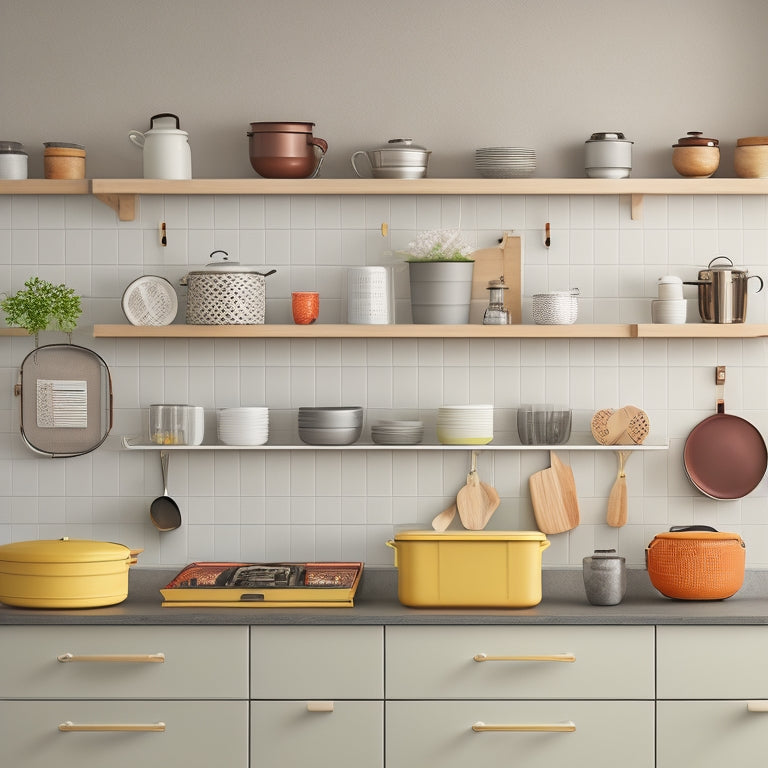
<point x="42" y="306"/>
<point x="438" y="245"/>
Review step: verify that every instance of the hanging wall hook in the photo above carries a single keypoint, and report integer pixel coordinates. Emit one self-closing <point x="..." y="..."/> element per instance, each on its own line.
<point x="163" y="234"/>
<point x="547" y="238"/>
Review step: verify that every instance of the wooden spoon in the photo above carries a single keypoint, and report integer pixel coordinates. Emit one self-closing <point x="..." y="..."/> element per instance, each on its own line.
<point x="443" y="519"/>
<point x="617" y="499"/>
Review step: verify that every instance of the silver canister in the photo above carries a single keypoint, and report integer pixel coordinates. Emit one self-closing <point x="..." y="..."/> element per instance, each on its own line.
<point x="13" y="160"/>
<point x="608" y="155"/>
<point x="605" y="577"/>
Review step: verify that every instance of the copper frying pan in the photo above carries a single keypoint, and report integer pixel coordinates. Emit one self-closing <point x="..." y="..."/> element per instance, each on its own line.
<point x="725" y="456"/>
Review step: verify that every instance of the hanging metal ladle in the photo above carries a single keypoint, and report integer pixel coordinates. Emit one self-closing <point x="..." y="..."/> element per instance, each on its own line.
<point x="164" y="511"/>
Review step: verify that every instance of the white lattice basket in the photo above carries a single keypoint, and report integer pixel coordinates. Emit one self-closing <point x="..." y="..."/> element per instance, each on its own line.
<point x="557" y="308"/>
<point x="368" y="295"/>
<point x="226" y="298"/>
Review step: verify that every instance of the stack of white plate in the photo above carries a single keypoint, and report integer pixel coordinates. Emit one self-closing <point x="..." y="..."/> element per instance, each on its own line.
<point x="397" y="432"/>
<point x="505" y="162"/>
<point x="243" y="426"/>
<point x="465" y="424"/>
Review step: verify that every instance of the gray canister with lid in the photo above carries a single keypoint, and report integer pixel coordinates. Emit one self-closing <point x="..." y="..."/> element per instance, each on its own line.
<point x="605" y="577"/>
<point x="13" y="160"/>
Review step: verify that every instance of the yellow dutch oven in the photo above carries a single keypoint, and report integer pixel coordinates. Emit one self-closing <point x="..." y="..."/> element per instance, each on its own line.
<point x="64" y="573"/>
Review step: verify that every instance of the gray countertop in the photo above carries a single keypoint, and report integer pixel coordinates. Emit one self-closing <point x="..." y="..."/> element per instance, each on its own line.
<point x="564" y="602"/>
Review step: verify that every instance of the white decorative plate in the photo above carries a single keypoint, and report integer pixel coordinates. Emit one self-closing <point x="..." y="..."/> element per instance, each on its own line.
<point x="150" y="300"/>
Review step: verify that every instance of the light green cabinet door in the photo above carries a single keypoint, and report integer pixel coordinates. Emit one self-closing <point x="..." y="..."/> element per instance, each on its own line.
<point x="605" y="734"/>
<point x="338" y="734"/>
<point x="146" y="733"/>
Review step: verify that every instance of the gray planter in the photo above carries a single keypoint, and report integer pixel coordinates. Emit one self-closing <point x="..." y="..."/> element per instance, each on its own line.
<point x="441" y="291"/>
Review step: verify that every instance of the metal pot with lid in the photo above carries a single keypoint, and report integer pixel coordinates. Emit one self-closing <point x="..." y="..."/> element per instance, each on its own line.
<point x="397" y="159"/>
<point x="608" y="155"/>
<point x="285" y="150"/>
<point x="723" y="292"/>
<point x="13" y="160"/>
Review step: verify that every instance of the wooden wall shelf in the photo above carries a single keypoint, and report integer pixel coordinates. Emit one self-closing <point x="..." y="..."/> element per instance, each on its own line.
<point x="343" y="331"/>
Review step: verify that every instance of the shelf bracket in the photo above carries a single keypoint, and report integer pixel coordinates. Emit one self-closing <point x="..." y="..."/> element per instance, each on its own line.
<point x="123" y="204"/>
<point x="637" y="206"/>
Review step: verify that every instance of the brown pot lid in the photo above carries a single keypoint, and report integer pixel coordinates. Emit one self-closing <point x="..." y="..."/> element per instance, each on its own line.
<point x="752" y="141"/>
<point x="695" y="139"/>
<point x="290" y="126"/>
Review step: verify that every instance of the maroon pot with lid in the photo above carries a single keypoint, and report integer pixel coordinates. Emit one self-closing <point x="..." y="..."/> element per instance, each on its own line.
<point x="285" y="150"/>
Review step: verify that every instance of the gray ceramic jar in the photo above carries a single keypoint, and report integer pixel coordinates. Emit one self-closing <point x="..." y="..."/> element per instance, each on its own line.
<point x="605" y="577"/>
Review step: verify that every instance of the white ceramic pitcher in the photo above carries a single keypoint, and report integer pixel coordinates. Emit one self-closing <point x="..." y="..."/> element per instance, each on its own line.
<point x="166" y="149"/>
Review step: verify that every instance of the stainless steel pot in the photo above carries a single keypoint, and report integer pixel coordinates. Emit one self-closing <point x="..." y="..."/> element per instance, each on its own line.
<point x="723" y="292"/>
<point x="397" y="159"/>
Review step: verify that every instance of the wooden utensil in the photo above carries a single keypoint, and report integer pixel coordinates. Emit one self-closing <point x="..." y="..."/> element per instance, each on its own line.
<point x="472" y="501"/>
<point x="443" y="519"/>
<point x="554" y="496"/>
<point x="632" y="425"/>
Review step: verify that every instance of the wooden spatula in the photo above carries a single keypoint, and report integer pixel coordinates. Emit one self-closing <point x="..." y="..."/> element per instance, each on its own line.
<point x="472" y="501"/>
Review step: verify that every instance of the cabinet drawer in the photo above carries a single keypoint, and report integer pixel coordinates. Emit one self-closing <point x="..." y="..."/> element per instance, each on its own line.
<point x="440" y="662"/>
<point x="197" y="733"/>
<point x="440" y="733"/>
<point x="710" y="734"/>
<point x="712" y="662"/>
<point x="199" y="662"/>
<point x="286" y="733"/>
<point x="317" y="663"/>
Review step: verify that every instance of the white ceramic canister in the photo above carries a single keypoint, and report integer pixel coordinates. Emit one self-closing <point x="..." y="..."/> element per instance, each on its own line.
<point x="670" y="287"/>
<point x="608" y="155"/>
<point x="13" y="160"/>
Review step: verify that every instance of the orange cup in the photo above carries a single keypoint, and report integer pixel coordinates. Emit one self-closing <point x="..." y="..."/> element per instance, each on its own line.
<point x="305" y="306"/>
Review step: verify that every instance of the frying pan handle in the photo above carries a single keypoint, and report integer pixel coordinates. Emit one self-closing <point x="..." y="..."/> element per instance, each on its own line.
<point x="679" y="528"/>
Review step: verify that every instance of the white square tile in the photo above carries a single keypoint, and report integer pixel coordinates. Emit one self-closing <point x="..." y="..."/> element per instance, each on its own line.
<point x="303" y="213"/>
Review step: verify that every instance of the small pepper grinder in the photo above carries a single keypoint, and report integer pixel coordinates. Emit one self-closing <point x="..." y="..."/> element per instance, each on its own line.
<point x="605" y="577"/>
<point x="496" y="313"/>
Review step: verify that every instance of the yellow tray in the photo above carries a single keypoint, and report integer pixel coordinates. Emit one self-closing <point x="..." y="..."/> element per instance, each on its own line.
<point x="219" y="585"/>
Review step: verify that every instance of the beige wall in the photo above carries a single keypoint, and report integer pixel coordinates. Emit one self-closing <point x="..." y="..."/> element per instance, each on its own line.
<point x="452" y="75"/>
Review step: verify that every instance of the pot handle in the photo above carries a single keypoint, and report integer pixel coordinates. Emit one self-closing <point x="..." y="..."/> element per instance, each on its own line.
<point x="137" y="137"/>
<point x="761" y="282"/>
<point x="727" y="258"/>
<point x="392" y="544"/>
<point x="681" y="528"/>
<point x="359" y="152"/>
<point x="698" y="282"/>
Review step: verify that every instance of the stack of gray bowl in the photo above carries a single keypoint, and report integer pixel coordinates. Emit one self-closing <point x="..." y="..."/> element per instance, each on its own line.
<point x="334" y="425"/>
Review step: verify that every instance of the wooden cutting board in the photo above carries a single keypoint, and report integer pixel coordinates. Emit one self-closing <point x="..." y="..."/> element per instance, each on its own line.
<point x="490" y="264"/>
<point x="554" y="497"/>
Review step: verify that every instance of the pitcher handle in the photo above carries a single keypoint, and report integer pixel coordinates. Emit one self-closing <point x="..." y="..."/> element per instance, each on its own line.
<point x="137" y="137"/>
<point x="359" y="152"/>
<point x="758" y="278"/>
<point x="322" y="145"/>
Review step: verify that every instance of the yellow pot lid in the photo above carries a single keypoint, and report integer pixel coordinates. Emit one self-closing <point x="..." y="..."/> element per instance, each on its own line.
<point x="429" y="535"/>
<point x="63" y="550"/>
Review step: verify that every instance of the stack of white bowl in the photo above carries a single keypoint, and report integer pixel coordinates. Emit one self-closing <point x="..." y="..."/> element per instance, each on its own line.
<point x="505" y="162"/>
<point x="397" y="432"/>
<point x="670" y="308"/>
<point x="465" y="424"/>
<point x="243" y="426"/>
<point x="334" y="425"/>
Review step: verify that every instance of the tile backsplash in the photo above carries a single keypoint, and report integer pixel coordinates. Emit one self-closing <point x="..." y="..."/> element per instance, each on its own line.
<point x="262" y="505"/>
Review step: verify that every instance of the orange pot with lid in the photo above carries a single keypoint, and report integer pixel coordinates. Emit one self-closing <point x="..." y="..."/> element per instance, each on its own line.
<point x="64" y="573"/>
<point x="696" y="562"/>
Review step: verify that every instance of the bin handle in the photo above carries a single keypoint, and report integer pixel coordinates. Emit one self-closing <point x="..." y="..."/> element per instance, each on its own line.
<point x="392" y="544"/>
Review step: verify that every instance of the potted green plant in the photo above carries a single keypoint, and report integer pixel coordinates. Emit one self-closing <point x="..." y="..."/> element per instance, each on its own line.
<point x="440" y="271"/>
<point x="42" y="306"/>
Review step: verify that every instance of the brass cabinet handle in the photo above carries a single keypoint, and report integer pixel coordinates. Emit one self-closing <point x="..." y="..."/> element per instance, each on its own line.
<point x="319" y="706"/>
<point x="757" y="706"/>
<point x="568" y="657"/>
<point x="140" y="658"/>
<point x="567" y="727"/>
<point x="70" y="727"/>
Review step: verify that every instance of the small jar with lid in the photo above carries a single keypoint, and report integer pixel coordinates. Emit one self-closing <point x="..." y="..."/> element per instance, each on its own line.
<point x="750" y="158"/>
<point x="62" y="160"/>
<point x="13" y="160"/>
<point x="608" y="155"/>
<point x="605" y="577"/>
<point x="696" y="156"/>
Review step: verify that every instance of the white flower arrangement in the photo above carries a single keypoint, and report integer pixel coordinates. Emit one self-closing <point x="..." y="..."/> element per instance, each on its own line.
<point x="438" y="245"/>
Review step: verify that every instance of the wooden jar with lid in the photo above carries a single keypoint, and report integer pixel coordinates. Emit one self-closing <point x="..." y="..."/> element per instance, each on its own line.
<point x="63" y="161"/>
<point x="750" y="158"/>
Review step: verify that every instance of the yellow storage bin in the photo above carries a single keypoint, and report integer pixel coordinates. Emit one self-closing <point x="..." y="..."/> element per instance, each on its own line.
<point x="469" y="569"/>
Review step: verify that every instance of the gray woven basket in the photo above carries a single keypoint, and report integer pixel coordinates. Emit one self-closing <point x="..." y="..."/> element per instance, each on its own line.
<point x="226" y="298"/>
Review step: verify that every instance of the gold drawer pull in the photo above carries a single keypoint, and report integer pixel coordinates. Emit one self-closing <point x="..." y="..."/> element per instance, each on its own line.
<point x="70" y="727"/>
<point x="569" y="657"/>
<point x="568" y="727"/>
<point x="319" y="706"/>
<point x="140" y="658"/>
<point x="757" y="706"/>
